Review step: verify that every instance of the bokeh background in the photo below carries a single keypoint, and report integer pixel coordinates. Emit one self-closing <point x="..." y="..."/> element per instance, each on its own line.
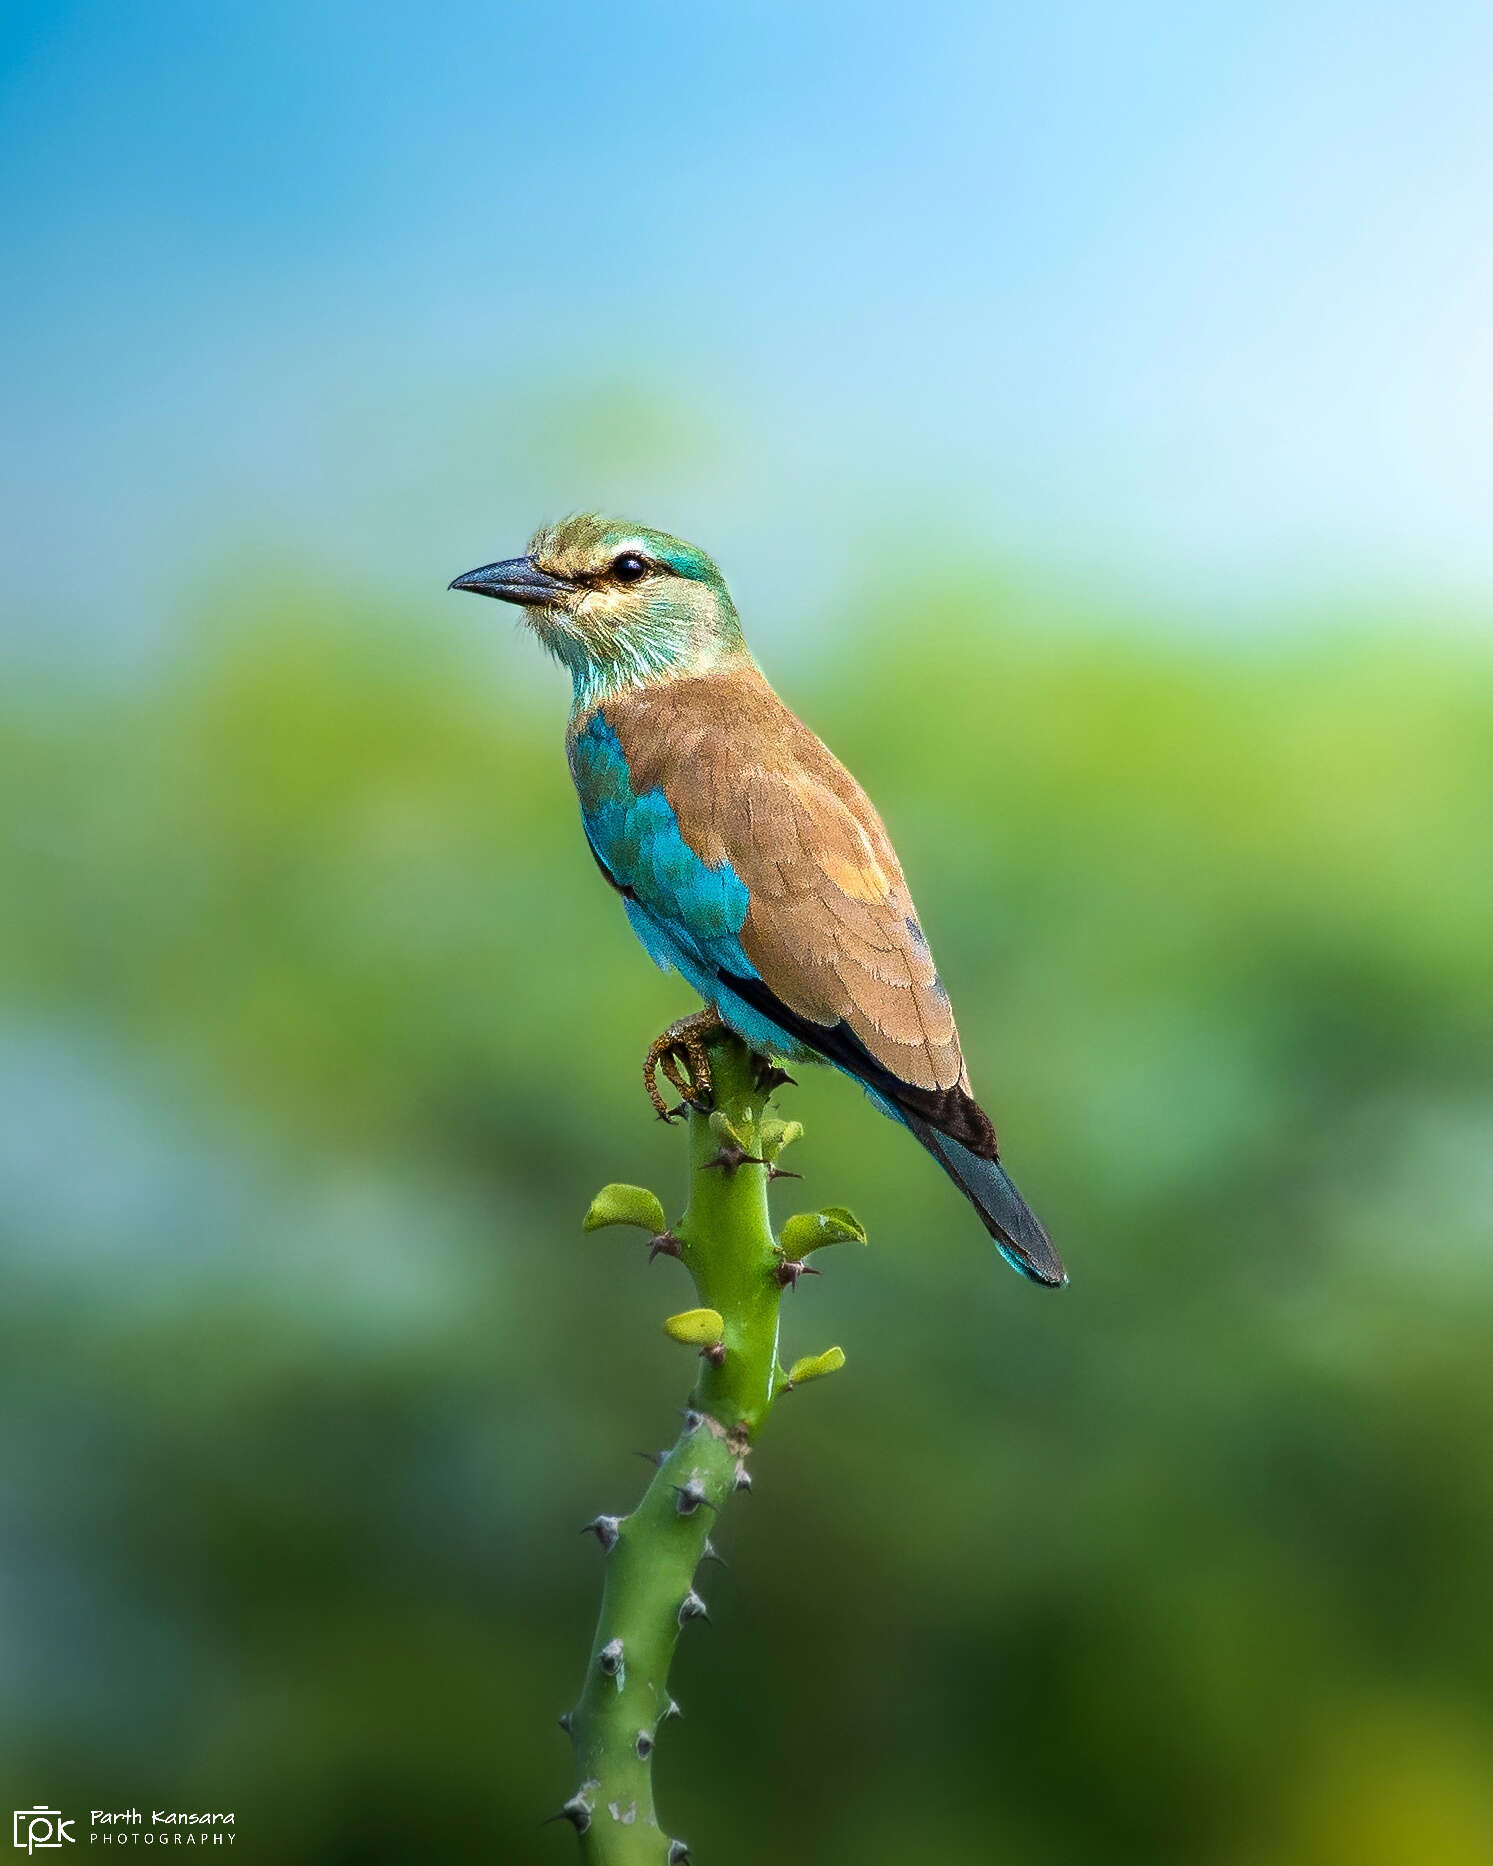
<point x="1091" y="407"/>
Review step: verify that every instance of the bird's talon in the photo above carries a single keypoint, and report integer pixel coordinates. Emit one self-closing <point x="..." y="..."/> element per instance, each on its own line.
<point x="681" y="1054"/>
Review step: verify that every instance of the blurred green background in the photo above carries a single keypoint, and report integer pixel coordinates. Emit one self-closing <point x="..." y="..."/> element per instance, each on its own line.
<point x="319" y="1028"/>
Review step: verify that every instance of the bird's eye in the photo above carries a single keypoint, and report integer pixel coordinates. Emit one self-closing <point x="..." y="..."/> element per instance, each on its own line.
<point x="629" y="567"/>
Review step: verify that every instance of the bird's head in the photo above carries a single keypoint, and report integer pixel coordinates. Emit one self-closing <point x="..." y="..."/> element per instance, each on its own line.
<point x="618" y="604"/>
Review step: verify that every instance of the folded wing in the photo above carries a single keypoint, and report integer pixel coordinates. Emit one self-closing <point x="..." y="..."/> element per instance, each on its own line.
<point x="828" y="928"/>
<point x="750" y="858"/>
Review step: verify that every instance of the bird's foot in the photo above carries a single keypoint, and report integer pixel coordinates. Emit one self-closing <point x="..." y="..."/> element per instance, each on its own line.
<point x="681" y="1054"/>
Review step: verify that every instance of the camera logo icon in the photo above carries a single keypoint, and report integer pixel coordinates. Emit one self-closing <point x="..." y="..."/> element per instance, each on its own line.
<point x="40" y="1827"/>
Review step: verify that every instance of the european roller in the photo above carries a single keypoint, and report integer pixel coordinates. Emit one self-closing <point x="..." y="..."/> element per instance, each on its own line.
<point x="746" y="856"/>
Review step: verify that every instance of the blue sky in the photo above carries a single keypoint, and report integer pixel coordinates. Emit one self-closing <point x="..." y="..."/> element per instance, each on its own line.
<point x="1190" y="305"/>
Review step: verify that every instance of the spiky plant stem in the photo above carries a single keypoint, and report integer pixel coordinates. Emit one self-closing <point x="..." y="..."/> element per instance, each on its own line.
<point x="725" y="1240"/>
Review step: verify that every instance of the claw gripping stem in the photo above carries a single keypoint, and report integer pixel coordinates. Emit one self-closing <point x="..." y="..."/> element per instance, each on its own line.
<point x="725" y="1240"/>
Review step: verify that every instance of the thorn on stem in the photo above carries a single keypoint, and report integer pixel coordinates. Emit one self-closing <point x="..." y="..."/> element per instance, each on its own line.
<point x="692" y="1608"/>
<point x="606" y="1529"/>
<point x="715" y="1353"/>
<point x="665" y="1244"/>
<point x="653" y="1457"/>
<point x="692" y="1420"/>
<point x="679" y="1854"/>
<point x="611" y="1657"/>
<point x="644" y="1746"/>
<point x="671" y="1709"/>
<point x="790" y="1269"/>
<point x="566" y="1721"/>
<point x="782" y="1172"/>
<point x="729" y="1157"/>
<point x="743" y="1478"/>
<point x="770" y="1077"/>
<point x="712" y="1553"/>
<point x="576" y="1811"/>
<point x="688" y="1497"/>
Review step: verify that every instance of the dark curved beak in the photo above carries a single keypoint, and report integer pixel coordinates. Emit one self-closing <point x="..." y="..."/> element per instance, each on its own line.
<point x="514" y="580"/>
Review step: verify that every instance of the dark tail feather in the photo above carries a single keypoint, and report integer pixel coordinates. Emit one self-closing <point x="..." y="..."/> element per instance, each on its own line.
<point x="1013" y="1224"/>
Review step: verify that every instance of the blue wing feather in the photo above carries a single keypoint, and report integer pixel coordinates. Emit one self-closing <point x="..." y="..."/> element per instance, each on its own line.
<point x="687" y="914"/>
<point x="680" y="906"/>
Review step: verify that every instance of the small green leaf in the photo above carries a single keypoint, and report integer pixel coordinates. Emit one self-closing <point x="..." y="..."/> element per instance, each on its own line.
<point x="726" y="1134"/>
<point x="806" y="1231"/>
<point x="775" y="1135"/>
<point x="815" y="1366"/>
<point x="696" y="1328"/>
<point x="624" y="1205"/>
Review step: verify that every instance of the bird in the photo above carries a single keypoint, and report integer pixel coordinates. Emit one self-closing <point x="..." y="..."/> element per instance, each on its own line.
<point x="747" y="857"/>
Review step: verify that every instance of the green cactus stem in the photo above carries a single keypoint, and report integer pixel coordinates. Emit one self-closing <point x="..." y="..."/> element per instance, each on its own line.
<point x="725" y="1241"/>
